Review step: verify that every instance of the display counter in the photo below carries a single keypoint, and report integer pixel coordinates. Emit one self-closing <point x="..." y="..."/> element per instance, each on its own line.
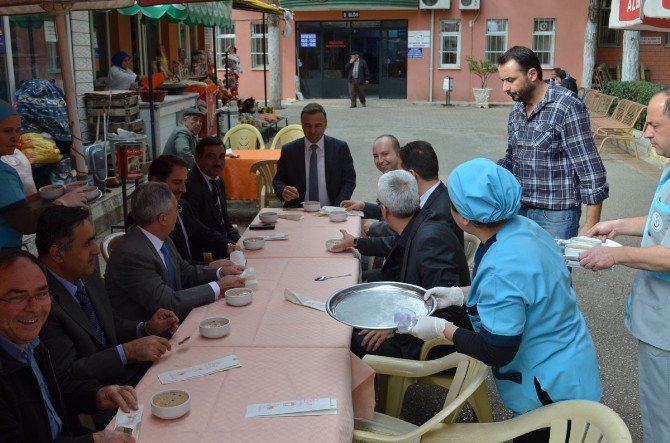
<point x="168" y="115"/>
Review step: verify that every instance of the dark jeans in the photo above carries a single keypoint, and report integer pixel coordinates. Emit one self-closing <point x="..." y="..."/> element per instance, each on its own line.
<point x="356" y="88"/>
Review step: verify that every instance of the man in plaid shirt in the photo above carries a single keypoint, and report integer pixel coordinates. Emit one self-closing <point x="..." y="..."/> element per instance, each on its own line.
<point x="550" y="148"/>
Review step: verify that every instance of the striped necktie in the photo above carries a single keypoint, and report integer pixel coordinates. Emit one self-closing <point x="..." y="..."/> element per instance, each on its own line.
<point x="85" y="302"/>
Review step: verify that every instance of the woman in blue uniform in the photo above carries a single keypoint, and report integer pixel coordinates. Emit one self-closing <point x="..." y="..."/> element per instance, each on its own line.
<point x="527" y="325"/>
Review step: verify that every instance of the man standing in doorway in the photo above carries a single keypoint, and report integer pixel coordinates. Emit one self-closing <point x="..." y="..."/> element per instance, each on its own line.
<point x="647" y="310"/>
<point x="359" y="75"/>
<point x="550" y="149"/>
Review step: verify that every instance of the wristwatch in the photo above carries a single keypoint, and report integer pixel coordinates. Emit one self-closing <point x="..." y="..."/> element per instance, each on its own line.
<point x="356" y="242"/>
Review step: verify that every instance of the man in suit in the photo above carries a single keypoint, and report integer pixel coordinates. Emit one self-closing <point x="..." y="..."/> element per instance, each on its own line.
<point x="90" y="340"/>
<point x="36" y="403"/>
<point x="190" y="236"/>
<point x="425" y="253"/>
<point x="420" y="160"/>
<point x="206" y="192"/>
<point x="359" y="75"/>
<point x="316" y="167"/>
<point x="145" y="272"/>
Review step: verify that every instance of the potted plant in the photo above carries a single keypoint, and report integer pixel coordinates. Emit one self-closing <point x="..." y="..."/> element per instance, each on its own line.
<point x="482" y="69"/>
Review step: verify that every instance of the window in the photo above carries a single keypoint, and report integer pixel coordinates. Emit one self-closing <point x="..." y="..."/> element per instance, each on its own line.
<point x="667" y="39"/>
<point x="225" y="38"/>
<point x="606" y="36"/>
<point x="450" y="44"/>
<point x="495" y="44"/>
<point x="258" y="36"/>
<point x="543" y="41"/>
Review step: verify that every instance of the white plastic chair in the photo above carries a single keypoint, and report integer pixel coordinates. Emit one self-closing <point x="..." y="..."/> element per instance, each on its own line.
<point x="108" y="244"/>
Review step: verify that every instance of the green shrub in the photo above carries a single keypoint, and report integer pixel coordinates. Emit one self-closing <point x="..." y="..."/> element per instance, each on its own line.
<point x="639" y="92"/>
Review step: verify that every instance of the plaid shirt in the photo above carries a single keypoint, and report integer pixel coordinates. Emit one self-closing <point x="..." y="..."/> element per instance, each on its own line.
<point x="553" y="155"/>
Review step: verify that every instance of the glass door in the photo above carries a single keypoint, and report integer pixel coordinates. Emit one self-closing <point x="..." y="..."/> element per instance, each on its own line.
<point x="336" y="50"/>
<point x="393" y="75"/>
<point x="365" y="39"/>
<point x="309" y="58"/>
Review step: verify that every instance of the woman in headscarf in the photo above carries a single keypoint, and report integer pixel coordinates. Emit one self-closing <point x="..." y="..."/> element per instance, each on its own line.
<point x="526" y="322"/>
<point x="16" y="217"/>
<point x="120" y="76"/>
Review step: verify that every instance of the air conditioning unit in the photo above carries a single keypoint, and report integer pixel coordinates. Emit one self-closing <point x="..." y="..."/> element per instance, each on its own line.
<point x="468" y="4"/>
<point x="434" y="4"/>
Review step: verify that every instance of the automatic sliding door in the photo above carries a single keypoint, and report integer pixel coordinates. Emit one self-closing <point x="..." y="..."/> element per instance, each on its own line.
<point x="335" y="56"/>
<point x="393" y="79"/>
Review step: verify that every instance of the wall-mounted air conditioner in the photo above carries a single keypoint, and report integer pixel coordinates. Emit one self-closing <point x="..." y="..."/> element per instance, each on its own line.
<point x="468" y="4"/>
<point x="434" y="4"/>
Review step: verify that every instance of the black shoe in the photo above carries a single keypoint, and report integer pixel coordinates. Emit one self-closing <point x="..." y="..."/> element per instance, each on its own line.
<point x="353" y="106"/>
<point x="363" y="104"/>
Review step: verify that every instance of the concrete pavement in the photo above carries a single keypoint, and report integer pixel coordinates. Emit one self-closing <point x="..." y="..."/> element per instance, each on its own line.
<point x="461" y="133"/>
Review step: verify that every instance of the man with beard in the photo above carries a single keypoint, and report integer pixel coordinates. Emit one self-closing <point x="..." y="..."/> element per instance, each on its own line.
<point x="550" y="148"/>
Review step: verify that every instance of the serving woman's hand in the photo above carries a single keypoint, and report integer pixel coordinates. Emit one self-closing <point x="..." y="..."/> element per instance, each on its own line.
<point x="428" y="328"/>
<point x="446" y="297"/>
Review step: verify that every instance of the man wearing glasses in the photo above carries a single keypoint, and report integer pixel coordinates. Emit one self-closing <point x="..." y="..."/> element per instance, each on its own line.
<point x="33" y="400"/>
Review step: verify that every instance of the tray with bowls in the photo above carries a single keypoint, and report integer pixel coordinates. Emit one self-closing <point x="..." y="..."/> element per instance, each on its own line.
<point x="374" y="305"/>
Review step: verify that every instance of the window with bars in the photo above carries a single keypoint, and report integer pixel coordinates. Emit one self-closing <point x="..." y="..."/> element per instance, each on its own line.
<point x="258" y="35"/>
<point x="495" y="43"/>
<point x="667" y="39"/>
<point x="543" y="40"/>
<point x="225" y="38"/>
<point x="606" y="36"/>
<point x="450" y="43"/>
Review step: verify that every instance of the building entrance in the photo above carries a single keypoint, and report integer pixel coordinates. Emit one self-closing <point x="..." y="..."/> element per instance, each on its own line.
<point x="323" y="50"/>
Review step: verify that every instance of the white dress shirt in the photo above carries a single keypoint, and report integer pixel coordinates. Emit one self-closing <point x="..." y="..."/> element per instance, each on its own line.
<point x="321" y="169"/>
<point x="424" y="197"/>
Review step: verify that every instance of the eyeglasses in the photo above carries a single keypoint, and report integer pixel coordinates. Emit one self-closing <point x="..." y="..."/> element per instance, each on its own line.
<point x="40" y="298"/>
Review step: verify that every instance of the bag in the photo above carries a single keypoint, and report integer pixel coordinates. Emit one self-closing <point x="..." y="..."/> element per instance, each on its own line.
<point x="39" y="149"/>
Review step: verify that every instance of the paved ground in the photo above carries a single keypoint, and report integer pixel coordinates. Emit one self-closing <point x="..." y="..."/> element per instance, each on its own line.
<point x="462" y="133"/>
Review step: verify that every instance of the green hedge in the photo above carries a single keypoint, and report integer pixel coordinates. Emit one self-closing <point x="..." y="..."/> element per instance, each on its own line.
<point x="639" y="92"/>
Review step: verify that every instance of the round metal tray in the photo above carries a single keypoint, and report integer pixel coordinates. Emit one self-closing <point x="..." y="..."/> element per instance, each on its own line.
<point x="374" y="305"/>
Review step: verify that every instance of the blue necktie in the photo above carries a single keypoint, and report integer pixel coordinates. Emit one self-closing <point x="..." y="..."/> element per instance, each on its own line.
<point x="85" y="302"/>
<point x="168" y="266"/>
<point x="313" y="175"/>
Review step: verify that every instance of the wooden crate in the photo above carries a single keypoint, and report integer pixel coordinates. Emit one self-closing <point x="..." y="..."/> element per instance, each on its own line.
<point x="123" y="100"/>
<point x="133" y="126"/>
<point x="115" y="114"/>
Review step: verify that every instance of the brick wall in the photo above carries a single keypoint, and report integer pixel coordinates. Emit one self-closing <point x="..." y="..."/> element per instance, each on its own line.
<point x="653" y="57"/>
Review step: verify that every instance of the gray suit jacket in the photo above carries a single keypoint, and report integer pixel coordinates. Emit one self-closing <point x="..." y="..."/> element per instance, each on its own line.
<point x="70" y="337"/>
<point x="137" y="281"/>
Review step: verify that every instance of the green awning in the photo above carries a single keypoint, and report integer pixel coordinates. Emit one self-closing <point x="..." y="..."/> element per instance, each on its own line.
<point x="301" y="5"/>
<point x="208" y="14"/>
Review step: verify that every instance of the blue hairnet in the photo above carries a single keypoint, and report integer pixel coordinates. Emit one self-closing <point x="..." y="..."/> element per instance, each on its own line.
<point x="119" y="57"/>
<point x="6" y="110"/>
<point x="484" y="192"/>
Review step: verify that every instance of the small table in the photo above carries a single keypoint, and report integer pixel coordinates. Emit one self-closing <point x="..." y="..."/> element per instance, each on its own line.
<point x="265" y="130"/>
<point x="240" y="183"/>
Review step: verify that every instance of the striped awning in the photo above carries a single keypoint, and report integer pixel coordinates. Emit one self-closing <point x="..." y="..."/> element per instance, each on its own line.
<point x="17" y="7"/>
<point x="208" y="14"/>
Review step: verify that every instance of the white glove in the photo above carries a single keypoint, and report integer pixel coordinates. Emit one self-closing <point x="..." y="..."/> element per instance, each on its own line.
<point x="428" y="328"/>
<point x="446" y="297"/>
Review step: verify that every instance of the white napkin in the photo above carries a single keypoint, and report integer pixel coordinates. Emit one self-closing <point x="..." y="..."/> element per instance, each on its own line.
<point x="329" y="209"/>
<point x="295" y="216"/>
<point x="238" y="258"/>
<point x="294" y="408"/>
<point x="129" y="423"/>
<point x="304" y="301"/>
<point x="277" y="236"/>
<point x="218" y="365"/>
<point x="249" y="276"/>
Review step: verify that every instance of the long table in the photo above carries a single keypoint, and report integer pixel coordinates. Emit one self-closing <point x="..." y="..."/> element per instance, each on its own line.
<point x="287" y="351"/>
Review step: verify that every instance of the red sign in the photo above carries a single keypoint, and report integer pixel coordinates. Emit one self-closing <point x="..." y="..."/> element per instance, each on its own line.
<point x="134" y="159"/>
<point x="336" y="44"/>
<point x="629" y="10"/>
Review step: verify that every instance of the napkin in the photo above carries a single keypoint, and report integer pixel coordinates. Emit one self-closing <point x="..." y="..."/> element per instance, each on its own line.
<point x="304" y="301"/>
<point x="218" y="365"/>
<point x="294" y="408"/>
<point x="229" y="153"/>
<point x="328" y="209"/>
<point x="295" y="216"/>
<point x="277" y="236"/>
<point x="129" y="423"/>
<point x="238" y="258"/>
<point x="249" y="276"/>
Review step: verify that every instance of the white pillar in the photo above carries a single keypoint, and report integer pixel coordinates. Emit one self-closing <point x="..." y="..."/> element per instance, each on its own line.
<point x="631" y="56"/>
<point x="274" y="61"/>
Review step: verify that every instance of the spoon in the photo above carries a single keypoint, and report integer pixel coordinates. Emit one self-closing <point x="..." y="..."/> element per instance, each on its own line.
<point x="181" y="342"/>
<point x="326" y="277"/>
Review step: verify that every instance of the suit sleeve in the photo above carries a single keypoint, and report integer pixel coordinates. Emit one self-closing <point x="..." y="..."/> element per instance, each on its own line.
<point x="143" y="277"/>
<point x="281" y="178"/>
<point x="348" y="176"/>
<point x="372" y="210"/>
<point x="182" y="147"/>
<point x="375" y="246"/>
<point x="439" y="257"/>
<point x="105" y="366"/>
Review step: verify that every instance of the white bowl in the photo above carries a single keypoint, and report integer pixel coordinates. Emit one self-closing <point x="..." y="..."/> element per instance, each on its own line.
<point x="91" y="192"/>
<point x="311" y="206"/>
<point x="253" y="243"/>
<point x="239" y="296"/>
<point x="172" y="403"/>
<point x="51" y="192"/>
<point x="574" y="249"/>
<point x="75" y="185"/>
<point x="268" y="217"/>
<point x="338" y="216"/>
<point x="214" y="327"/>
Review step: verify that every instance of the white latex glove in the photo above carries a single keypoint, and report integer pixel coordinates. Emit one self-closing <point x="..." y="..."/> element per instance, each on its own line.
<point x="446" y="297"/>
<point x="428" y="328"/>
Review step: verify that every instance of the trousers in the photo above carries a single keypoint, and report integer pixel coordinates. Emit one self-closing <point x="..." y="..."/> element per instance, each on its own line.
<point x="356" y="89"/>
